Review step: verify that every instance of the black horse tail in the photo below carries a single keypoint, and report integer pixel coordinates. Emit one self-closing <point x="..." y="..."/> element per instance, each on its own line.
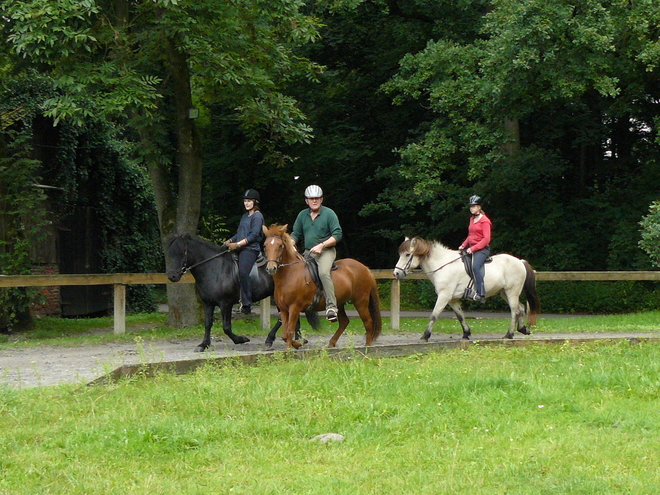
<point x="532" y="296"/>
<point x="313" y="319"/>
<point x="374" y="310"/>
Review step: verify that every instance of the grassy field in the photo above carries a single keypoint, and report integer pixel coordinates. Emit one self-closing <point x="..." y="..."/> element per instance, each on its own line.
<point x="90" y="331"/>
<point x="487" y="420"/>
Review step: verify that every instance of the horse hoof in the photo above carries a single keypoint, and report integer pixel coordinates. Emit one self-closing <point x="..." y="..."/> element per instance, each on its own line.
<point x="296" y="344"/>
<point x="466" y="337"/>
<point x="241" y="339"/>
<point x="507" y="336"/>
<point x="524" y="331"/>
<point x="424" y="338"/>
<point x="201" y="348"/>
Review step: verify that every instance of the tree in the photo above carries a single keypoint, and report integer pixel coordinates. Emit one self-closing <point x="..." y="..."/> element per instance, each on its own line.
<point x="550" y="113"/>
<point x="148" y="63"/>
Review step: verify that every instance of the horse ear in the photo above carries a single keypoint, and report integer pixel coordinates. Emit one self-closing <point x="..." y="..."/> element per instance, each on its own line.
<point x="406" y="238"/>
<point x="284" y="227"/>
<point x="413" y="241"/>
<point x="265" y="229"/>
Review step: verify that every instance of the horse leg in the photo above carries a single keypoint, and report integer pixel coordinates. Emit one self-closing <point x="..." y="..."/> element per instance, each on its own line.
<point x="458" y="311"/>
<point x="522" y="328"/>
<point x="270" y="338"/>
<point x="208" y="323"/>
<point x="343" y="323"/>
<point x="293" y="324"/>
<point x="514" y="305"/>
<point x="363" y="310"/>
<point x="440" y="304"/>
<point x="225" y="310"/>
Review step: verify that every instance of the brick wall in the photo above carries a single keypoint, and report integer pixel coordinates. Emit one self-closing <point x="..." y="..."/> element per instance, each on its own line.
<point x="48" y="301"/>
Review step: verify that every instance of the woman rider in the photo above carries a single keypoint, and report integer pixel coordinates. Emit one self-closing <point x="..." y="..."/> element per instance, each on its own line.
<point x="477" y="244"/>
<point x="247" y="241"/>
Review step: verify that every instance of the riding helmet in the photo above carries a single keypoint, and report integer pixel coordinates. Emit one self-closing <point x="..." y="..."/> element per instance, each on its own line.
<point x="313" y="191"/>
<point x="475" y="200"/>
<point x="252" y="194"/>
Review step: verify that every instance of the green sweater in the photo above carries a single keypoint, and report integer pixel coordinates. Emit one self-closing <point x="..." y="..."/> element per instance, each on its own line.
<point x="318" y="230"/>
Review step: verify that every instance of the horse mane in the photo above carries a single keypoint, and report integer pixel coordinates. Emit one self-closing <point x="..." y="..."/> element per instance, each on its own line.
<point x="184" y="238"/>
<point x="421" y="247"/>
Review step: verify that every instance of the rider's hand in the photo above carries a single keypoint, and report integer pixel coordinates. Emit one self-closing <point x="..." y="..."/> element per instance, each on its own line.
<point x="226" y="243"/>
<point x="318" y="249"/>
<point x="233" y="245"/>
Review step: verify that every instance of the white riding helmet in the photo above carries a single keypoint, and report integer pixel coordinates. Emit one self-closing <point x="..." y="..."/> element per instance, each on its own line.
<point x="313" y="191"/>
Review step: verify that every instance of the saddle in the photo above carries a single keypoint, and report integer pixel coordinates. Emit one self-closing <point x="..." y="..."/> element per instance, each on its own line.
<point x="260" y="261"/>
<point x="469" y="292"/>
<point x="313" y="268"/>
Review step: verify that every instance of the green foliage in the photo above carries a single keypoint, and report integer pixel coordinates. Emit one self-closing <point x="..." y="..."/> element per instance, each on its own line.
<point x="22" y="219"/>
<point x="598" y="297"/>
<point x="650" y="230"/>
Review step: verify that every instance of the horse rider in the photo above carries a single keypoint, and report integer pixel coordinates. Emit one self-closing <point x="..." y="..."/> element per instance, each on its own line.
<point x="247" y="241"/>
<point x="477" y="244"/>
<point x="319" y="226"/>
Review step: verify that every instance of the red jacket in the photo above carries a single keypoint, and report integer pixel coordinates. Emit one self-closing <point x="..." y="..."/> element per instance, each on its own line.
<point x="478" y="234"/>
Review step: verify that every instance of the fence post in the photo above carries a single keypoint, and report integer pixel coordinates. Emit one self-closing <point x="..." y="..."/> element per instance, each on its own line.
<point x="395" y="304"/>
<point x="265" y="313"/>
<point x="120" y="309"/>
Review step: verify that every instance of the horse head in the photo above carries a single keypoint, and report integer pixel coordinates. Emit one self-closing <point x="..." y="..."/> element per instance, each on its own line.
<point x="279" y="247"/>
<point x="411" y="253"/>
<point x="177" y="251"/>
<point x="274" y="246"/>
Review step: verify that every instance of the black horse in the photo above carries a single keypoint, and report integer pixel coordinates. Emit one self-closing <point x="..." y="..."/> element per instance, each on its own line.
<point x="216" y="279"/>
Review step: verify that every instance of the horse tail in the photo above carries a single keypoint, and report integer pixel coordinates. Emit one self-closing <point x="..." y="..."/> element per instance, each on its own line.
<point x="313" y="319"/>
<point x="374" y="309"/>
<point x="530" y="293"/>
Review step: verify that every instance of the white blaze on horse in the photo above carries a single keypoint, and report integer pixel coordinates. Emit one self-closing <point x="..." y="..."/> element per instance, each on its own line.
<point x="505" y="275"/>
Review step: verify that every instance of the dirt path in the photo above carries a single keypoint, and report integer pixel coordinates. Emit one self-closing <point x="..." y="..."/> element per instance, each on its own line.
<point x="47" y="365"/>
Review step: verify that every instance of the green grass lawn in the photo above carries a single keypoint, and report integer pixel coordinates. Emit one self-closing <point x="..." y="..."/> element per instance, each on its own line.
<point x="486" y="420"/>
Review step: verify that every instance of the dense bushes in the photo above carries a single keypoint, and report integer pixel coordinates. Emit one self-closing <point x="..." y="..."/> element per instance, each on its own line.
<point x="556" y="297"/>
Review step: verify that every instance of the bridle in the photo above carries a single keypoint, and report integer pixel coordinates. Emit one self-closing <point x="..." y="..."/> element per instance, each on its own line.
<point x="278" y="261"/>
<point x="185" y="268"/>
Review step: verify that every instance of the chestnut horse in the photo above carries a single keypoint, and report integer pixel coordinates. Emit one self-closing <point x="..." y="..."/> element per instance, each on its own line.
<point x="295" y="291"/>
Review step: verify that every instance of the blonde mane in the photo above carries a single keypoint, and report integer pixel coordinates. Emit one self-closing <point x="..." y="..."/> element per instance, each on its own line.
<point x="420" y="247"/>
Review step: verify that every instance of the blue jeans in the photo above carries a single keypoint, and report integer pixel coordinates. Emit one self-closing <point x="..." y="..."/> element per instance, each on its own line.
<point x="246" y="259"/>
<point x="478" y="260"/>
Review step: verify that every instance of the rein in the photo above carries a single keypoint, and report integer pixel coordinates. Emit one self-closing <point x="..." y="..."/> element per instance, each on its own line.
<point x="406" y="268"/>
<point x="441" y="267"/>
<point x="185" y="268"/>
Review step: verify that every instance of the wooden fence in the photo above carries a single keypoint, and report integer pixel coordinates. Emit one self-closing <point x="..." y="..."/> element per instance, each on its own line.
<point x="120" y="280"/>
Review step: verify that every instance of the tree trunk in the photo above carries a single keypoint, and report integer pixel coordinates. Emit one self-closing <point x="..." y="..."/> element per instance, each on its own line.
<point x="512" y="134"/>
<point x="181" y="215"/>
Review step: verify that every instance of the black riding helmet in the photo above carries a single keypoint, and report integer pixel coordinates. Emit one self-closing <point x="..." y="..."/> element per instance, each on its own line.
<point x="252" y="194"/>
<point x="475" y="200"/>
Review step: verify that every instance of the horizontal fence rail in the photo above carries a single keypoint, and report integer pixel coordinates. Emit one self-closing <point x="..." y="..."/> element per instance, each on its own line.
<point x="120" y="280"/>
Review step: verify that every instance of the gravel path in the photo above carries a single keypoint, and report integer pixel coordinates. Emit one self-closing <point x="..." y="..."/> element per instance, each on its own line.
<point x="45" y="365"/>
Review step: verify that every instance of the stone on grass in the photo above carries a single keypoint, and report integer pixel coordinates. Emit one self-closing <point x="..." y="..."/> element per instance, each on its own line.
<point x="328" y="437"/>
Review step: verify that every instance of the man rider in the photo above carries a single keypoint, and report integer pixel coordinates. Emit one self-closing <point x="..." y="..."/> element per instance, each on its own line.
<point x="319" y="226"/>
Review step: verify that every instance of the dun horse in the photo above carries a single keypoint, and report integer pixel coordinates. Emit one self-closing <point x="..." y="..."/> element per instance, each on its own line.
<point x="295" y="291"/>
<point x="216" y="279"/>
<point x="506" y="275"/>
